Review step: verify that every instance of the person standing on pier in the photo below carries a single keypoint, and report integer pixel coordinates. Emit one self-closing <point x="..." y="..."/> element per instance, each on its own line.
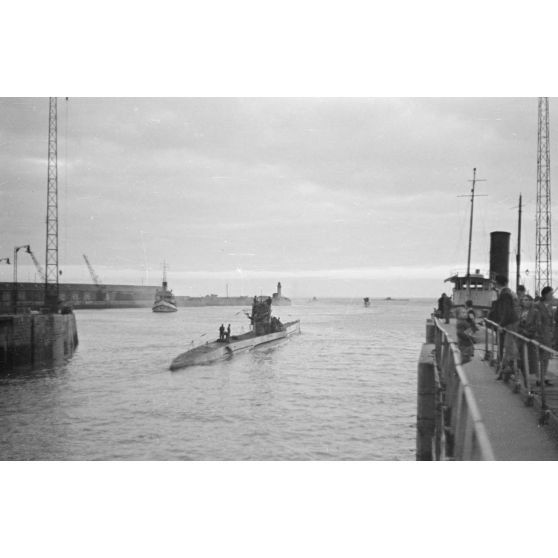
<point x="466" y="328"/>
<point x="446" y="307"/>
<point x="222" y="333"/>
<point x="525" y="328"/>
<point x="440" y="312"/>
<point x="229" y="333"/>
<point x="505" y="313"/>
<point x="543" y="326"/>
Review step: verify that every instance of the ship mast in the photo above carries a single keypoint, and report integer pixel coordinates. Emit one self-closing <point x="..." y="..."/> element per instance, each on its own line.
<point x="165" y="274"/>
<point x="474" y="182"/>
<point x="518" y="256"/>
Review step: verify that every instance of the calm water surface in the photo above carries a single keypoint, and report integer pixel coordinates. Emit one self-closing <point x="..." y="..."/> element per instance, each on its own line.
<point x="344" y="389"/>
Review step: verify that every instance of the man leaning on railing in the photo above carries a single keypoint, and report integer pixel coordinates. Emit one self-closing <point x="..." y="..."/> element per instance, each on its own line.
<point x="542" y="327"/>
<point x="505" y="312"/>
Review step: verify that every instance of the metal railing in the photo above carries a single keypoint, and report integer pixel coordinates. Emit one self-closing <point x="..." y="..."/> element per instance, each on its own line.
<point x="531" y="352"/>
<point x="466" y="437"/>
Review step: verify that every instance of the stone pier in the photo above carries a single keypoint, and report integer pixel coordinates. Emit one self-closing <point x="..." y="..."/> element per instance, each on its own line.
<point x="28" y="340"/>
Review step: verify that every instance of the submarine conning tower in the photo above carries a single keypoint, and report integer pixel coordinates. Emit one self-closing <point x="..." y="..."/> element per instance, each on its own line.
<point x="261" y="314"/>
<point x="499" y="254"/>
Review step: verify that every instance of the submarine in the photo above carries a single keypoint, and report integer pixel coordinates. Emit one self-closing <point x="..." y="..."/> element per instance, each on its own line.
<point x="265" y="329"/>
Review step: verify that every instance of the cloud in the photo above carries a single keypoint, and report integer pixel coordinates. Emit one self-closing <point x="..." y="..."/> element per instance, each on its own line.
<point x="286" y="184"/>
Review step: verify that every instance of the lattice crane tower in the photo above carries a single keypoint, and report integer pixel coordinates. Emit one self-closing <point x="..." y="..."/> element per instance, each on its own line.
<point x="543" y="259"/>
<point x="51" y="273"/>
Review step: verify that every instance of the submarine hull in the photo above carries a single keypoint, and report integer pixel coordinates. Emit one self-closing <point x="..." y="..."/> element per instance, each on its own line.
<point x="218" y="350"/>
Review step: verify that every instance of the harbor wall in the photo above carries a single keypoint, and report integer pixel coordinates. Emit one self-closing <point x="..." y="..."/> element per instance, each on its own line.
<point x="427" y="400"/>
<point x="195" y="301"/>
<point x="30" y="296"/>
<point x="28" y="340"/>
<point x="82" y="296"/>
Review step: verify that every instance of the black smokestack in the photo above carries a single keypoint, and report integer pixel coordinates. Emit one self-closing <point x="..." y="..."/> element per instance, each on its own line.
<point x="499" y="254"/>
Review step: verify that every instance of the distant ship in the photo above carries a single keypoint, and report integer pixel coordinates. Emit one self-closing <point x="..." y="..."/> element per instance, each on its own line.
<point x="164" y="299"/>
<point x="366" y="302"/>
<point x="278" y="299"/>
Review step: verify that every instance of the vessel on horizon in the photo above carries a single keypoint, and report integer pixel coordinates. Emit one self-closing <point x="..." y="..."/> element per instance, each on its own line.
<point x="164" y="298"/>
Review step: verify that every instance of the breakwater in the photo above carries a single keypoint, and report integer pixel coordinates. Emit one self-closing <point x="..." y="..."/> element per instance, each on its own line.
<point x="30" y="296"/>
<point x="213" y="300"/>
<point x="28" y="340"/>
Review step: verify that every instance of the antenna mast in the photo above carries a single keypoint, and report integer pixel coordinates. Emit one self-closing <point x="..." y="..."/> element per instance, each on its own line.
<point x="518" y="255"/>
<point x="51" y="273"/>
<point x="543" y="260"/>
<point x="474" y="182"/>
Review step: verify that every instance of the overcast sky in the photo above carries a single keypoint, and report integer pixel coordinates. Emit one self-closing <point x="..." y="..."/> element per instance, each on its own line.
<point x="333" y="197"/>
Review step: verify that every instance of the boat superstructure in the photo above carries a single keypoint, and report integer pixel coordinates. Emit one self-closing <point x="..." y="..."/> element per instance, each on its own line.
<point x="264" y="329"/>
<point x="475" y="287"/>
<point x="164" y="299"/>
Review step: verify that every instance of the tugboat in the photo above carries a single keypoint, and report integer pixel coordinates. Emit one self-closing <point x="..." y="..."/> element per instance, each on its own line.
<point x="265" y="329"/>
<point x="164" y="299"/>
<point x="366" y="302"/>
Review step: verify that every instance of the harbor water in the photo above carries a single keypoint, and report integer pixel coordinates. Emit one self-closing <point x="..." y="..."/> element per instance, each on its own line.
<point x="343" y="389"/>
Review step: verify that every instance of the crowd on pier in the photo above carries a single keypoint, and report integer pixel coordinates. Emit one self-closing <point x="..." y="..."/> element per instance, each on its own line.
<point x="533" y="318"/>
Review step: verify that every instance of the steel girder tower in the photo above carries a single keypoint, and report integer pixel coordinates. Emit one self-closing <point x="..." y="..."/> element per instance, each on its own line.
<point x="543" y="260"/>
<point x="51" y="273"/>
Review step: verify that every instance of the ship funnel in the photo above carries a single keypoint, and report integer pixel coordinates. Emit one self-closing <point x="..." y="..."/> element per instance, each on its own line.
<point x="499" y="253"/>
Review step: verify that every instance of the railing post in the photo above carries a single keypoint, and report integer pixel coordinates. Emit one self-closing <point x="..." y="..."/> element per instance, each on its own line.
<point x="542" y="379"/>
<point x="459" y="418"/>
<point x="486" y="352"/>
<point x="502" y="340"/>
<point x="527" y="372"/>
<point x="467" y="451"/>
<point x="494" y="353"/>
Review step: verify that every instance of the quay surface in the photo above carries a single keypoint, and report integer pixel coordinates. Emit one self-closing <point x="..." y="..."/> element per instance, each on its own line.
<point x="512" y="428"/>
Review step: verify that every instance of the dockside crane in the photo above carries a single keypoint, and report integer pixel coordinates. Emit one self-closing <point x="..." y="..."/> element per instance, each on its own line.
<point x="37" y="265"/>
<point x="94" y="276"/>
<point x="101" y="290"/>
